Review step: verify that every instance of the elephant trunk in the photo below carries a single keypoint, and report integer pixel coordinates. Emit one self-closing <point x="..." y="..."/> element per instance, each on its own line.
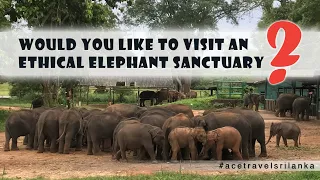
<point x="269" y="139"/>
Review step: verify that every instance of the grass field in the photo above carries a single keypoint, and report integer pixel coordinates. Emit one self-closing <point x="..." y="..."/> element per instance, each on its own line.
<point x="4" y="89"/>
<point x="174" y="176"/>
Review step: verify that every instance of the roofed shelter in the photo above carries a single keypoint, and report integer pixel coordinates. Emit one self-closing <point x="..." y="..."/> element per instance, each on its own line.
<point x="298" y="85"/>
<point x="113" y="83"/>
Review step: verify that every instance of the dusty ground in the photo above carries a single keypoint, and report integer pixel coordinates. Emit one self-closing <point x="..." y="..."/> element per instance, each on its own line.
<point x="29" y="164"/>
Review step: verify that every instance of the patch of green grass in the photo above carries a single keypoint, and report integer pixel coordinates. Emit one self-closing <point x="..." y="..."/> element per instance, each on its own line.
<point x="199" y="103"/>
<point x="15" y="103"/>
<point x="4" y="89"/>
<point x="3" y="116"/>
<point x="174" y="176"/>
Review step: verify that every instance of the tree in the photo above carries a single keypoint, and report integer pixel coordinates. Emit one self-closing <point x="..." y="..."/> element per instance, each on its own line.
<point x="185" y="14"/>
<point x="304" y="13"/>
<point x="64" y="14"/>
<point x="4" y="10"/>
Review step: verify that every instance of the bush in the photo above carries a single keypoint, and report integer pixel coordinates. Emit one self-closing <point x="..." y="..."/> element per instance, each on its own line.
<point x="4" y="114"/>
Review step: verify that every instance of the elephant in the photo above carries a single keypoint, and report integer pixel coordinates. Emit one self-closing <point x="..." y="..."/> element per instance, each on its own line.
<point x="38" y="110"/>
<point x="286" y="130"/>
<point x="284" y="102"/>
<point x="253" y="99"/>
<point x="48" y="128"/>
<point x="301" y="105"/>
<point x="36" y="103"/>
<point x="257" y="124"/>
<point x="180" y="108"/>
<point x="20" y="123"/>
<point x="162" y="95"/>
<point x="176" y="121"/>
<point x="215" y="120"/>
<point x="89" y="112"/>
<point x="225" y="137"/>
<point x="191" y="94"/>
<point x="147" y="95"/>
<point x="185" y="137"/>
<point x="153" y="110"/>
<point x="117" y="129"/>
<point x="156" y="118"/>
<point x="70" y="127"/>
<point x="125" y="110"/>
<point x="101" y="127"/>
<point x="138" y="135"/>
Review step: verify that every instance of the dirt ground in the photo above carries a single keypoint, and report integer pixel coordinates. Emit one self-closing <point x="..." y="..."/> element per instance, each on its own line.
<point x="30" y="164"/>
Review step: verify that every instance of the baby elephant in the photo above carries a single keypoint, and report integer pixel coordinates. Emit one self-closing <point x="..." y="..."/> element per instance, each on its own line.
<point x="185" y="137"/>
<point x="286" y="130"/>
<point x="223" y="138"/>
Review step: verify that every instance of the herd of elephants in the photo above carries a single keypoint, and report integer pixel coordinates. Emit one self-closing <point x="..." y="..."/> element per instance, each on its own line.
<point x="170" y="132"/>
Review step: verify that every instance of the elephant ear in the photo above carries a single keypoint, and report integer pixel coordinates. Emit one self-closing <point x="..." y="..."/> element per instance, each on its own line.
<point x="154" y="132"/>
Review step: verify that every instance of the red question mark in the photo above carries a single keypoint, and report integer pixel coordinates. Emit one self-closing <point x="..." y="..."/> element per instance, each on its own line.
<point x="283" y="58"/>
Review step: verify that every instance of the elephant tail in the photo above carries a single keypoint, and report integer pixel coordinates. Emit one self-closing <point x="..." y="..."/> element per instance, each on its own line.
<point x="299" y="138"/>
<point x="166" y="143"/>
<point x="64" y="131"/>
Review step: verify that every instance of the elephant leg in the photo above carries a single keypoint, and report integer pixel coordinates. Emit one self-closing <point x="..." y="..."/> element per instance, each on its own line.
<point x="6" y="145"/>
<point x="67" y="143"/>
<point x="30" y="141"/>
<point x="245" y="150"/>
<point x="53" y="144"/>
<point x="123" y="152"/>
<point x="159" y="152"/>
<point x="89" y="145"/>
<point x="285" y="141"/>
<point x="61" y="144"/>
<point x="278" y="140"/>
<point x="262" y="142"/>
<point x="237" y="154"/>
<point x="194" y="151"/>
<point x="79" y="142"/>
<point x="25" y="140"/>
<point x="151" y="104"/>
<point x="296" y="142"/>
<point x="296" y="115"/>
<point x="252" y="150"/>
<point x="175" y="148"/>
<point x="95" y="146"/>
<point x="219" y="152"/>
<point x="14" y="144"/>
<point x="118" y="155"/>
<point x="257" y="107"/>
<point x="41" y="143"/>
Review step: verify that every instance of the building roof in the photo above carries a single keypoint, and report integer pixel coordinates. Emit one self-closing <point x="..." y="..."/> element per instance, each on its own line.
<point x="145" y="82"/>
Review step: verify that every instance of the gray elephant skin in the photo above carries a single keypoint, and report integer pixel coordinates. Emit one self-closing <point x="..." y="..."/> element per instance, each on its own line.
<point x="135" y="136"/>
<point x="48" y="128"/>
<point x="286" y="130"/>
<point x="284" y="102"/>
<point x="101" y="127"/>
<point x="257" y="124"/>
<point x="216" y="120"/>
<point x="147" y="95"/>
<point x="253" y="99"/>
<point x="70" y="127"/>
<point x="301" y="106"/>
<point x="125" y="110"/>
<point x="180" y="108"/>
<point x="20" y="123"/>
<point x="176" y="121"/>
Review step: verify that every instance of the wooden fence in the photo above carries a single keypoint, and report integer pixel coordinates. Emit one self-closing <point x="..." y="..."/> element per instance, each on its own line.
<point x="270" y="105"/>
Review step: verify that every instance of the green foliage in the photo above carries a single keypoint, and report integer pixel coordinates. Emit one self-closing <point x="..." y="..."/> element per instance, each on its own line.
<point x="4" y="10"/>
<point x="71" y="13"/>
<point x="184" y="13"/>
<point x="304" y="13"/>
<point x="3" y="116"/>
<point x="27" y="90"/>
